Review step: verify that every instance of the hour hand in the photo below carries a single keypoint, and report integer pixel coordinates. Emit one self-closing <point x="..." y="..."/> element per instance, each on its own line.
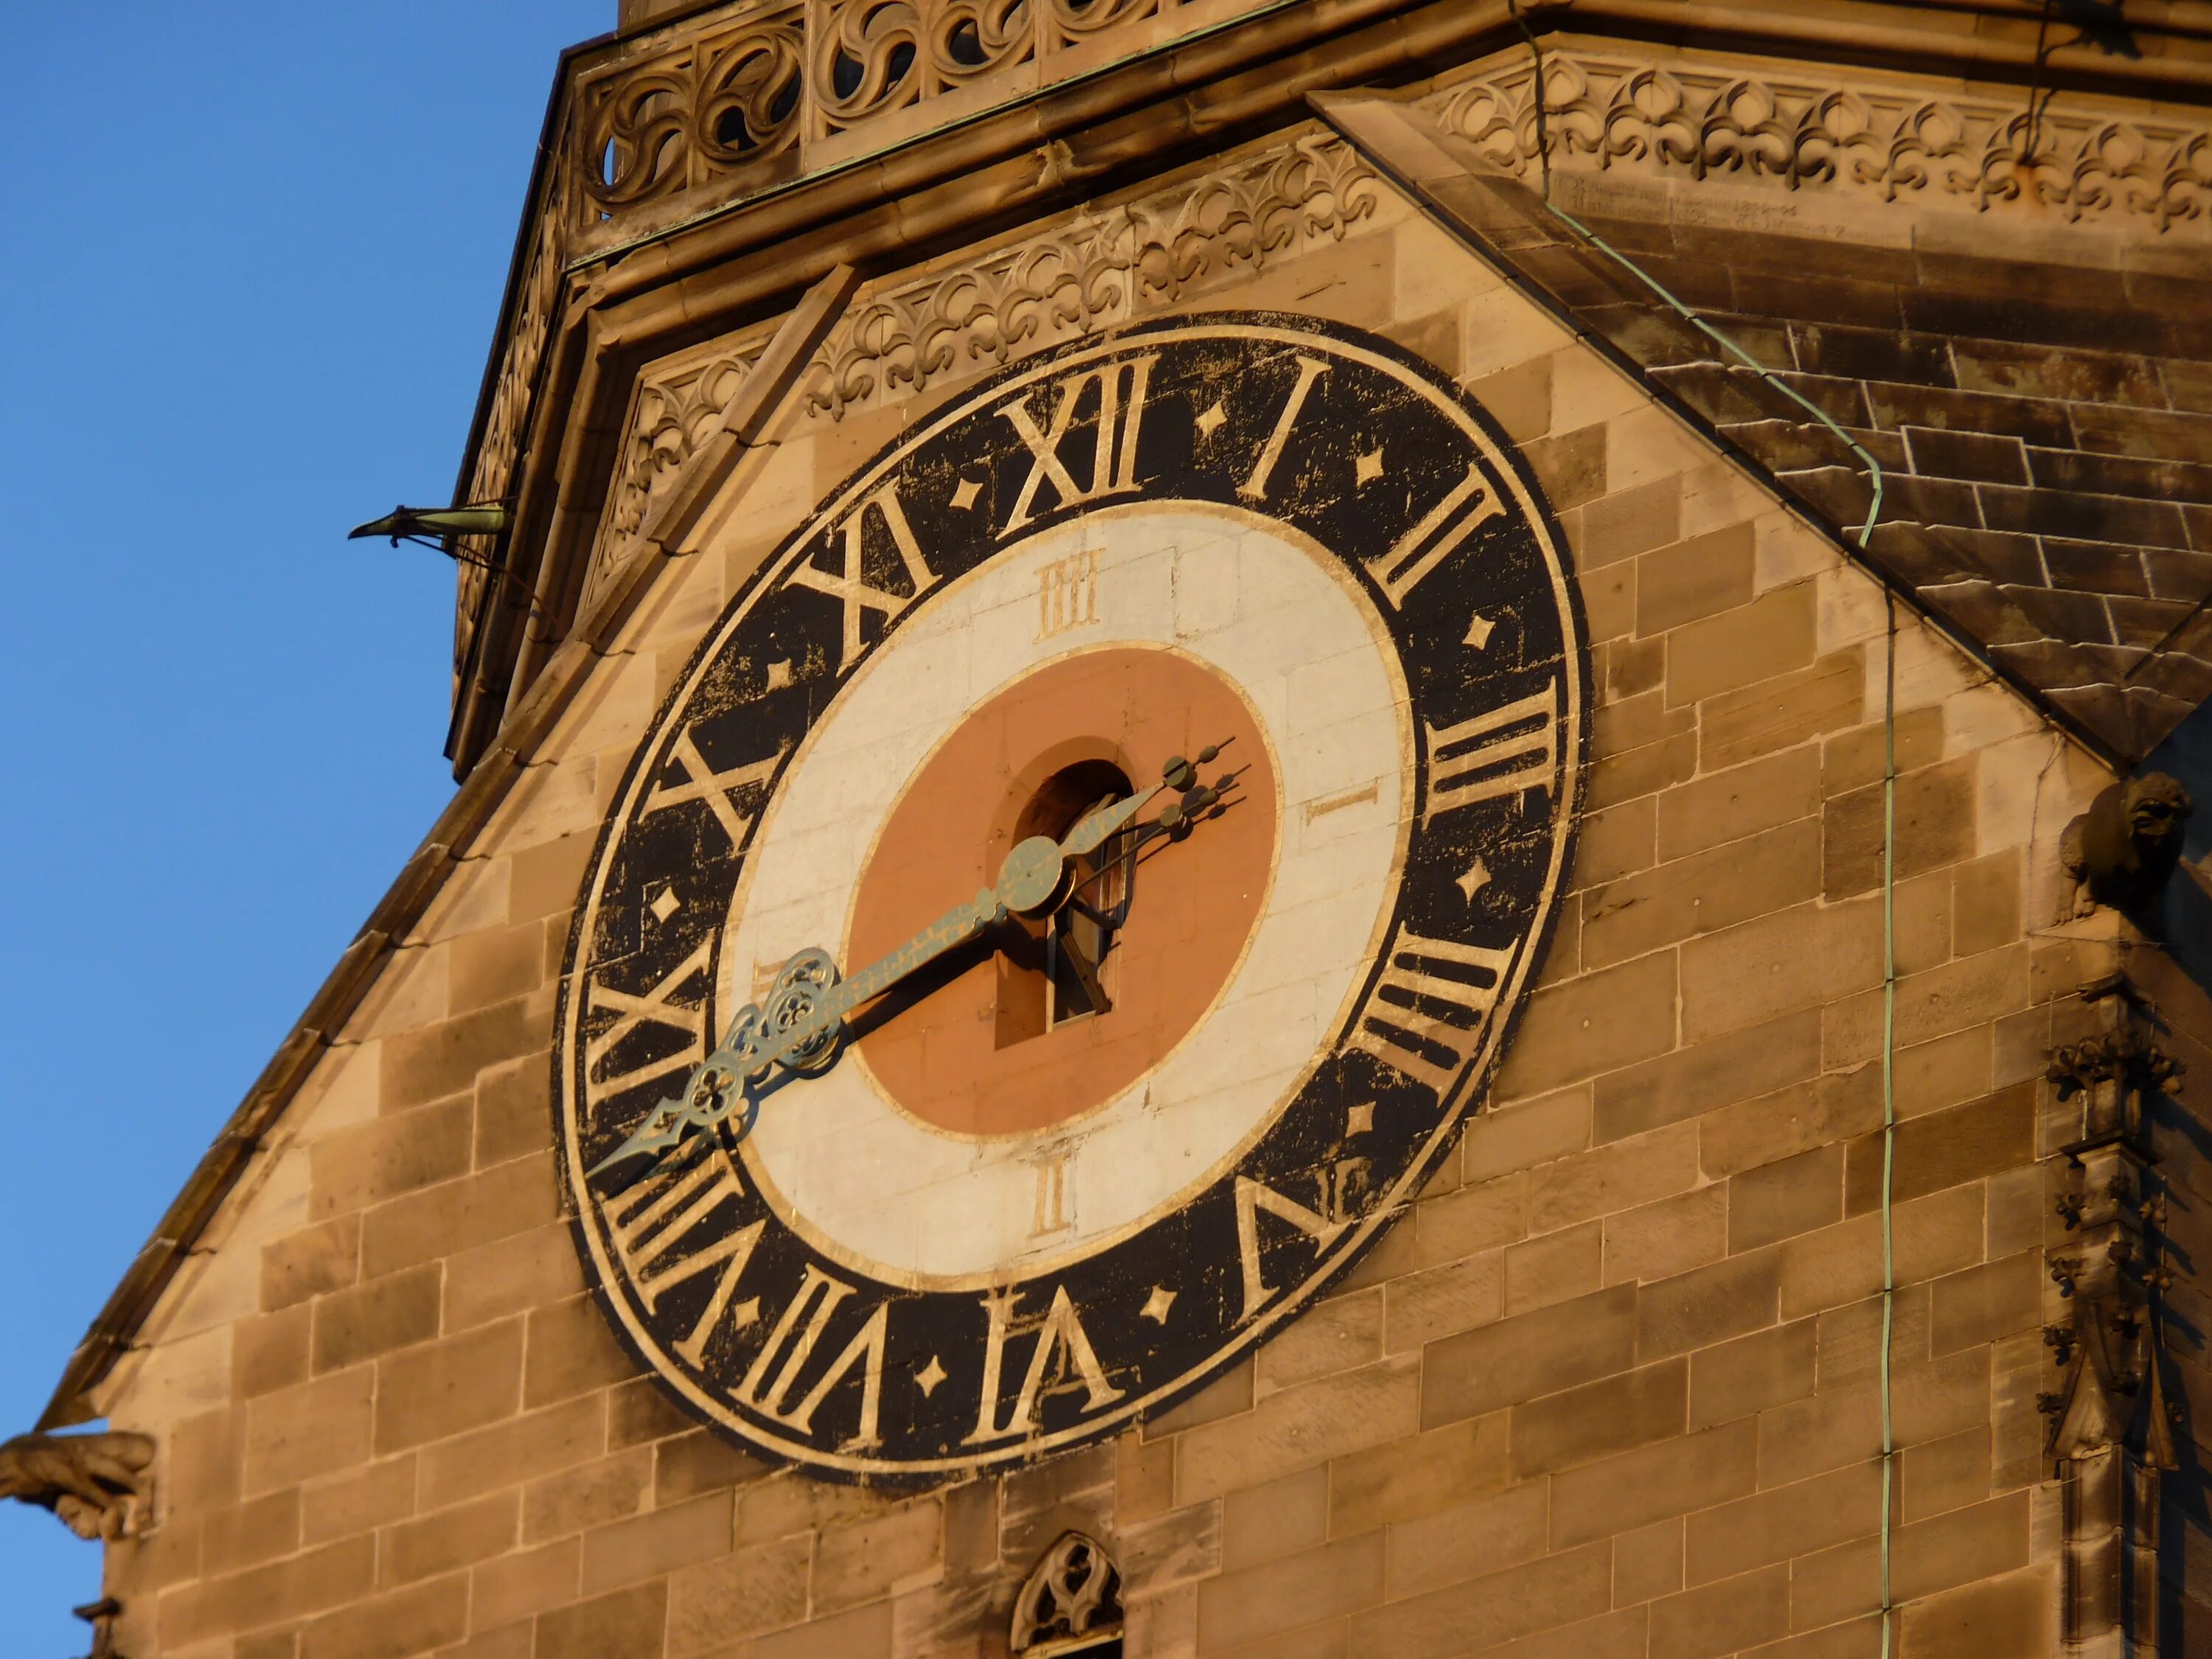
<point x="716" y="1092"/>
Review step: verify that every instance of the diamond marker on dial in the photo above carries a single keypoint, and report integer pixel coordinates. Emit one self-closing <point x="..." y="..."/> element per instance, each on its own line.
<point x="1476" y="878"/>
<point x="1156" y="1305"/>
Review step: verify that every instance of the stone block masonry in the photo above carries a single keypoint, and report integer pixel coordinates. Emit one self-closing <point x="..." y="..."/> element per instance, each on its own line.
<point x="1608" y="1387"/>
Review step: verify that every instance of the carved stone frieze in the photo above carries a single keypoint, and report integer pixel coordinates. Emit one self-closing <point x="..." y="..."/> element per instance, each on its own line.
<point x="1857" y="137"/>
<point x="868" y="57"/>
<point x="498" y="451"/>
<point x="1095" y="269"/>
<point x="679" y="406"/>
<point x="709" y="104"/>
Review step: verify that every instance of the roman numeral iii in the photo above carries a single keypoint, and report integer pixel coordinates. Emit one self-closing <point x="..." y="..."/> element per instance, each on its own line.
<point x="1508" y="750"/>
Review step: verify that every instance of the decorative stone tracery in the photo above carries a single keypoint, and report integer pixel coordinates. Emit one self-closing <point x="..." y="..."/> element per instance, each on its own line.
<point x="1092" y="270"/>
<point x="1858" y="138"/>
<point x="1071" y="1602"/>
<point x="2111" y="1435"/>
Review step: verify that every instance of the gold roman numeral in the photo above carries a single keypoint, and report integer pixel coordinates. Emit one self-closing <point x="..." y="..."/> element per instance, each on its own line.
<point x="1067" y="593"/>
<point x="658" y="1007"/>
<point x="1253" y="1199"/>
<point x="1113" y="458"/>
<point x="790" y="1345"/>
<point x="851" y="589"/>
<point x="651" y="1219"/>
<point x="1063" y="1359"/>
<point x="1430" y="1005"/>
<point x="1507" y="751"/>
<point x="1421" y="550"/>
<point x="702" y="782"/>
<point x="1255" y="488"/>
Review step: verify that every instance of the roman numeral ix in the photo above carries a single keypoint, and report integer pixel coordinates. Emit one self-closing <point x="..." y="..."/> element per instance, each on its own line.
<point x="702" y="782"/>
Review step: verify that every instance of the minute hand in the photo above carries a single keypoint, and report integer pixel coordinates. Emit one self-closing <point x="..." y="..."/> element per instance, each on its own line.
<point x="948" y="932"/>
<point x="1030" y="881"/>
<point x="754" y="1046"/>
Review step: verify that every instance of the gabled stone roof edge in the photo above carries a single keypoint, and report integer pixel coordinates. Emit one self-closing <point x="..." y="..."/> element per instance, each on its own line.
<point x="420" y="881"/>
<point x="1395" y="156"/>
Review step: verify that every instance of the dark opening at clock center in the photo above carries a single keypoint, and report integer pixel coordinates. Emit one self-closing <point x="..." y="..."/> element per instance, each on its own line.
<point x="1052" y="1017"/>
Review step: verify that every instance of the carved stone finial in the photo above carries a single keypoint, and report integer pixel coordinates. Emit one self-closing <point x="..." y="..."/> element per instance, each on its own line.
<point x="1073" y="1590"/>
<point x="2121" y="850"/>
<point x="94" y="1482"/>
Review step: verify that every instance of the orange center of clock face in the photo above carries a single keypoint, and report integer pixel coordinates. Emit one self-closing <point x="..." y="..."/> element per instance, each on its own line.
<point x="1011" y="1039"/>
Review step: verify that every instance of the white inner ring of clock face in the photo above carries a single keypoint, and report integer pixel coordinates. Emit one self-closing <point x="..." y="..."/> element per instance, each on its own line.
<point x="873" y="1187"/>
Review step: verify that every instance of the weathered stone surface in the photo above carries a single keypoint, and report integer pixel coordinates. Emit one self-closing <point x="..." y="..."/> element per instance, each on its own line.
<point x="1609" y="1385"/>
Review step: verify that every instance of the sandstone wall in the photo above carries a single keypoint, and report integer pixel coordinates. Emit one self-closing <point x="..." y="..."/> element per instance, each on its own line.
<point x="1608" y="1388"/>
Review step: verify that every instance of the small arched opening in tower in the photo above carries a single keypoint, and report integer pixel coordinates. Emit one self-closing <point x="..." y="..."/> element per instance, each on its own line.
<point x="1070" y="1606"/>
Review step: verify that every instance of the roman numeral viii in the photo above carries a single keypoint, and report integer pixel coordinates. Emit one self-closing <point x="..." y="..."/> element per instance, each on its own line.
<point x="649" y="1222"/>
<point x="1112" y="460"/>
<point x="1427" y="1011"/>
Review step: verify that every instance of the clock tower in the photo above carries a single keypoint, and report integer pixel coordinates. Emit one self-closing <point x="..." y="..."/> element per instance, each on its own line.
<point x="1326" y="828"/>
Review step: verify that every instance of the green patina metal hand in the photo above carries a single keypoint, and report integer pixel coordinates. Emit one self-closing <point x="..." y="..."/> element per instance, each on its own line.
<point x="800" y="1025"/>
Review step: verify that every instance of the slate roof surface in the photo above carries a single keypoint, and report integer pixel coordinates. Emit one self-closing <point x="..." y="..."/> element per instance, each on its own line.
<point x="2045" y="428"/>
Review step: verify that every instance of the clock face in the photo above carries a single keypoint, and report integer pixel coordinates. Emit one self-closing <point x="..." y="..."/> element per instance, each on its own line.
<point x="1088" y="1081"/>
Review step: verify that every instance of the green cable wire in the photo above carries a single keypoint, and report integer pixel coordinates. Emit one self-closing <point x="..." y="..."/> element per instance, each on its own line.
<point x="1888" y="840"/>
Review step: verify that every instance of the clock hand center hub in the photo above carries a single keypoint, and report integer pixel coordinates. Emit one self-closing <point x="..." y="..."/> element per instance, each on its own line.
<point x="1031" y="878"/>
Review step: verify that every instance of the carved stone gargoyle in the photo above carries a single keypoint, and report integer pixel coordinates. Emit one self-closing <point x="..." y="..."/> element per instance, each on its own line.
<point x="2121" y="850"/>
<point x="95" y="1483"/>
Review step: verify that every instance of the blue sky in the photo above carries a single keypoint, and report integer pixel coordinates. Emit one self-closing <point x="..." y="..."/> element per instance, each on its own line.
<point x="255" y="254"/>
